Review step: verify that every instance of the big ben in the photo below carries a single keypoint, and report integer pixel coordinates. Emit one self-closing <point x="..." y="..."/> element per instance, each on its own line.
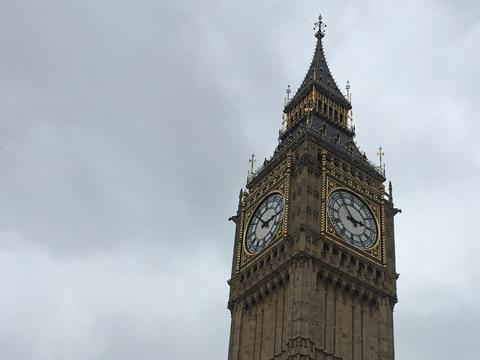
<point x="313" y="272"/>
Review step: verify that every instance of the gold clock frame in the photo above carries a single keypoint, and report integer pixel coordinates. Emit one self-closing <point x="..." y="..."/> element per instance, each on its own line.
<point x="377" y="222"/>
<point x="278" y="234"/>
<point x="376" y="251"/>
<point x="277" y="181"/>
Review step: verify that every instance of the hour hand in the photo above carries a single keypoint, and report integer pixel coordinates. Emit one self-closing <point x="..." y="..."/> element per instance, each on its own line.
<point x="352" y="220"/>
<point x="267" y="223"/>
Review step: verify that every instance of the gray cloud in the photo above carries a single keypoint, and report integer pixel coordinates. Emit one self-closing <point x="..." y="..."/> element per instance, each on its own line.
<point x="124" y="138"/>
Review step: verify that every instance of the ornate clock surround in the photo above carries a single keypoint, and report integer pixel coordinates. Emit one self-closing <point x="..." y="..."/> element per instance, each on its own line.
<point x="276" y="181"/>
<point x="339" y="175"/>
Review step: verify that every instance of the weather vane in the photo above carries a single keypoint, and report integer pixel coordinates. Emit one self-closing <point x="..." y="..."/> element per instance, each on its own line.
<point x="319" y="26"/>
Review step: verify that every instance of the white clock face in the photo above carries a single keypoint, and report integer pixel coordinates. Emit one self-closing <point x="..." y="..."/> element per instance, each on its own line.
<point x="264" y="223"/>
<point x="352" y="218"/>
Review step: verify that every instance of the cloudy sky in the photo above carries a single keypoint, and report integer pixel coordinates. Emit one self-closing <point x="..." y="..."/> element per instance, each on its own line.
<point x="125" y="131"/>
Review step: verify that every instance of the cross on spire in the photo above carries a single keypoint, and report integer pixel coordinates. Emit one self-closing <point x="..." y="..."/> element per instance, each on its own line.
<point x="380" y="154"/>
<point x="252" y="162"/>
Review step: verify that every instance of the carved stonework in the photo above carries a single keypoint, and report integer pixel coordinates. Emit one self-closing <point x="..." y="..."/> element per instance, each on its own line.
<point x="277" y="181"/>
<point x="310" y="292"/>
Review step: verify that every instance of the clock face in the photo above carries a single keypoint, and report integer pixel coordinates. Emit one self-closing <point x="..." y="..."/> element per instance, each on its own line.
<point x="352" y="218"/>
<point x="264" y="223"/>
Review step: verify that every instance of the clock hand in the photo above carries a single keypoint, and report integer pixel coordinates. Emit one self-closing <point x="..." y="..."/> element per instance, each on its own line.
<point x="263" y="222"/>
<point x="266" y="223"/>
<point x="350" y="217"/>
<point x="352" y="220"/>
<point x="365" y="226"/>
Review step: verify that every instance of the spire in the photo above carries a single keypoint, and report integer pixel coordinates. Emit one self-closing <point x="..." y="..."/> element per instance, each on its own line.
<point x="319" y="74"/>
<point x="390" y="191"/>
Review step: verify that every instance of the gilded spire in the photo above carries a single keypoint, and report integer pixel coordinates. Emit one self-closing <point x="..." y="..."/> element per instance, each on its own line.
<point x="319" y="75"/>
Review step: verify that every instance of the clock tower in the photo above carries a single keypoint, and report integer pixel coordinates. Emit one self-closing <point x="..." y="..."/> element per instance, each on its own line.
<point x="313" y="273"/>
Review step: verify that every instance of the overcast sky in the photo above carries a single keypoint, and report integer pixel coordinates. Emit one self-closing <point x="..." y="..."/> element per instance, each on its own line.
<point x="125" y="131"/>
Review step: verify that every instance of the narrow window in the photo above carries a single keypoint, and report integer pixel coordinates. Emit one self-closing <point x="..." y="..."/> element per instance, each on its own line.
<point x="334" y="324"/>
<point x="353" y="332"/>
<point x="362" y="340"/>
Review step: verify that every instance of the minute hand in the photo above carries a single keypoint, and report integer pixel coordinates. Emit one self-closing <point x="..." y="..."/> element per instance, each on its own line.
<point x="362" y="224"/>
<point x="352" y="219"/>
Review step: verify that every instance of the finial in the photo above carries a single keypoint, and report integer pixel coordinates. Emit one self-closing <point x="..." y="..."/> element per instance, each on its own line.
<point x="288" y="91"/>
<point x="380" y="154"/>
<point x="349" y="93"/>
<point x="319" y="27"/>
<point x="252" y="162"/>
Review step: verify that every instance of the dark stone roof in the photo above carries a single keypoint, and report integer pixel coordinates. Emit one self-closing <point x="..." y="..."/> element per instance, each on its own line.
<point x="319" y="75"/>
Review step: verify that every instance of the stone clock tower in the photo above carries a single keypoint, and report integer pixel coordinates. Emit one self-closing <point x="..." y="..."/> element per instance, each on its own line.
<point x="313" y="274"/>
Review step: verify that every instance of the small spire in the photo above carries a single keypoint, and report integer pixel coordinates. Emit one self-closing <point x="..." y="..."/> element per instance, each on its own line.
<point x="319" y="75"/>
<point x="348" y="90"/>
<point x="390" y="191"/>
<point x="235" y="217"/>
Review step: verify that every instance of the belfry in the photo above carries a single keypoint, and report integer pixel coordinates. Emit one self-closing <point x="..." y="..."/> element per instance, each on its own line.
<point x="313" y="273"/>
